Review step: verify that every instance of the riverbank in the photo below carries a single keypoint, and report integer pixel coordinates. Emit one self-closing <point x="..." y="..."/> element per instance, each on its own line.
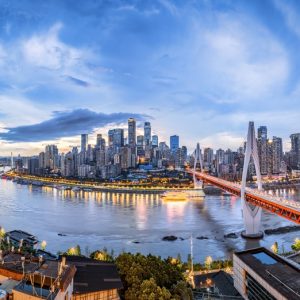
<point x="77" y="186"/>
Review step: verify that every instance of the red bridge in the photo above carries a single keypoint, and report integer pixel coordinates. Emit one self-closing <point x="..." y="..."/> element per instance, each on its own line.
<point x="285" y="208"/>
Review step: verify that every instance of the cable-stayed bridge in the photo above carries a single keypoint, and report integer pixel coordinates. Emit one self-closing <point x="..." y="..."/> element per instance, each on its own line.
<point x="253" y="200"/>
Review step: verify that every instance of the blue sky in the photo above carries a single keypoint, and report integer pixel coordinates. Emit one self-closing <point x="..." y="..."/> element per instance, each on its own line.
<point x="199" y="69"/>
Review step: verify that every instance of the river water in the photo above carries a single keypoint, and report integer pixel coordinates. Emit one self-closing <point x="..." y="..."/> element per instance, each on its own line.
<point x="132" y="222"/>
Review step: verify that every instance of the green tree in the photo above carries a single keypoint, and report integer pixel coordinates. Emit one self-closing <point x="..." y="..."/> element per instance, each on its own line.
<point x="150" y="277"/>
<point x="296" y="245"/>
<point x="149" y="290"/>
<point x="208" y="262"/>
<point x="181" y="292"/>
<point x="102" y="255"/>
<point x="74" y="251"/>
<point x="274" y="248"/>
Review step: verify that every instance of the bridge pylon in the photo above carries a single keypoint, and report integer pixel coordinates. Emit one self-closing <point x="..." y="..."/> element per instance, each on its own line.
<point x="198" y="184"/>
<point x="251" y="214"/>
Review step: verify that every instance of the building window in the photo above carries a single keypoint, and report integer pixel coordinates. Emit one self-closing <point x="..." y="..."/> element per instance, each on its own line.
<point x="255" y="291"/>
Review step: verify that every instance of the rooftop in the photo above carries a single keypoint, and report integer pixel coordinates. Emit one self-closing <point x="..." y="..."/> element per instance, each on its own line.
<point x="295" y="257"/>
<point x="275" y="270"/>
<point x="12" y="262"/>
<point x="220" y="280"/>
<point x="94" y="275"/>
<point x="18" y="235"/>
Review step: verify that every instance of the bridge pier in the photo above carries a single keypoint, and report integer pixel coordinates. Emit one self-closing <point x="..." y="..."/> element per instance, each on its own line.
<point x="252" y="222"/>
<point x="251" y="214"/>
<point x="198" y="183"/>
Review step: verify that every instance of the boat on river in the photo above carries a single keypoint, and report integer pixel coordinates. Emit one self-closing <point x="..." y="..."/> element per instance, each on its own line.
<point x="174" y="196"/>
<point x="76" y="189"/>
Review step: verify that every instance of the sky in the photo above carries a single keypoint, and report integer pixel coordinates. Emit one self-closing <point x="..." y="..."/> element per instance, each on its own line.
<point x="199" y="69"/>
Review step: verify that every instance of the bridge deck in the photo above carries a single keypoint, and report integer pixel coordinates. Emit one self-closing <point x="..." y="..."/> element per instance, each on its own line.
<point x="285" y="208"/>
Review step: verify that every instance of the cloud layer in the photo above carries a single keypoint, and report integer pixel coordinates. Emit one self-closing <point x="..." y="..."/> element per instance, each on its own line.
<point x="65" y="124"/>
<point x="203" y="69"/>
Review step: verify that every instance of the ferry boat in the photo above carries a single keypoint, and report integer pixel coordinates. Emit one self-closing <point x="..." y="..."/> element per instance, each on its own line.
<point x="174" y="196"/>
<point x="61" y="187"/>
<point x="76" y="189"/>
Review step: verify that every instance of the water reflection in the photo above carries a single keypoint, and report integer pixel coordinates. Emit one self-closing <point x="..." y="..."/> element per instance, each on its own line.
<point x="132" y="222"/>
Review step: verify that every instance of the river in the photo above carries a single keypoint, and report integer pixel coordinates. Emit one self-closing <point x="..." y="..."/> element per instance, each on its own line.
<point x="133" y="222"/>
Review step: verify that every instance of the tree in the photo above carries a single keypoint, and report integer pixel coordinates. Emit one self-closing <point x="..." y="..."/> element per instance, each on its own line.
<point x="149" y="290"/>
<point x="74" y="251"/>
<point x="43" y="245"/>
<point x="179" y="289"/>
<point x="150" y="277"/>
<point x="208" y="262"/>
<point x="274" y="248"/>
<point x="296" y="245"/>
<point x="102" y="255"/>
<point x="2" y="233"/>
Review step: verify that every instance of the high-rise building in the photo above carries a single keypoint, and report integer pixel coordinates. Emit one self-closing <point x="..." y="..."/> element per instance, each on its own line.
<point x="33" y="165"/>
<point x="42" y="160"/>
<point x="84" y="142"/>
<point x="69" y="169"/>
<point x="270" y="157"/>
<point x="220" y="153"/>
<point x="147" y="134"/>
<point x="184" y="153"/>
<point x="174" y="143"/>
<point x="164" y="150"/>
<point x="277" y="154"/>
<point x="262" y="148"/>
<point x="154" y="141"/>
<point x="132" y="134"/>
<point x="51" y="157"/>
<point x="295" y="151"/>
<point x="100" y="143"/>
<point x="208" y="156"/>
<point x="116" y="139"/>
<point x="140" y="146"/>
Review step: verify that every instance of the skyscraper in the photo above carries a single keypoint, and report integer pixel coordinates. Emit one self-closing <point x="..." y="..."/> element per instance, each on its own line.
<point x="147" y="134"/>
<point x="295" y="150"/>
<point x="100" y="143"/>
<point x="33" y="165"/>
<point x="270" y="157"/>
<point x="208" y="156"/>
<point x="132" y="134"/>
<point x="262" y="148"/>
<point x="154" y="141"/>
<point x="51" y="157"/>
<point x="140" y="146"/>
<point x="174" y="143"/>
<point x="277" y="154"/>
<point x="116" y="139"/>
<point x="84" y="142"/>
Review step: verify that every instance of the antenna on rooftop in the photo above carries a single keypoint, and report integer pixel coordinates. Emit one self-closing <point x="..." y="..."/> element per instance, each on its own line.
<point x="192" y="263"/>
<point x="23" y="265"/>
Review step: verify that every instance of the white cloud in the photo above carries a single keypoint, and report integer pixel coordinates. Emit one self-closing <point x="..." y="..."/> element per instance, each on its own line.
<point x="246" y="63"/>
<point x="46" y="50"/>
<point x="221" y="140"/>
<point x="170" y="7"/>
<point x="18" y="110"/>
<point x="290" y="14"/>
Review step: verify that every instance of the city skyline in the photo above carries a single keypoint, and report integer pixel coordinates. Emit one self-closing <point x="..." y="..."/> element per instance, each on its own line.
<point x="92" y="139"/>
<point x="197" y="70"/>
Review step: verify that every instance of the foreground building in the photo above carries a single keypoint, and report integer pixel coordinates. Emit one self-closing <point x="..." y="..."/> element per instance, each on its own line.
<point x="261" y="274"/>
<point x="70" y="277"/>
<point x="94" y="279"/>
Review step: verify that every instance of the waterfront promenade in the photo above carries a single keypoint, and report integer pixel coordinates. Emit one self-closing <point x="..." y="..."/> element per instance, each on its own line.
<point x="117" y="187"/>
